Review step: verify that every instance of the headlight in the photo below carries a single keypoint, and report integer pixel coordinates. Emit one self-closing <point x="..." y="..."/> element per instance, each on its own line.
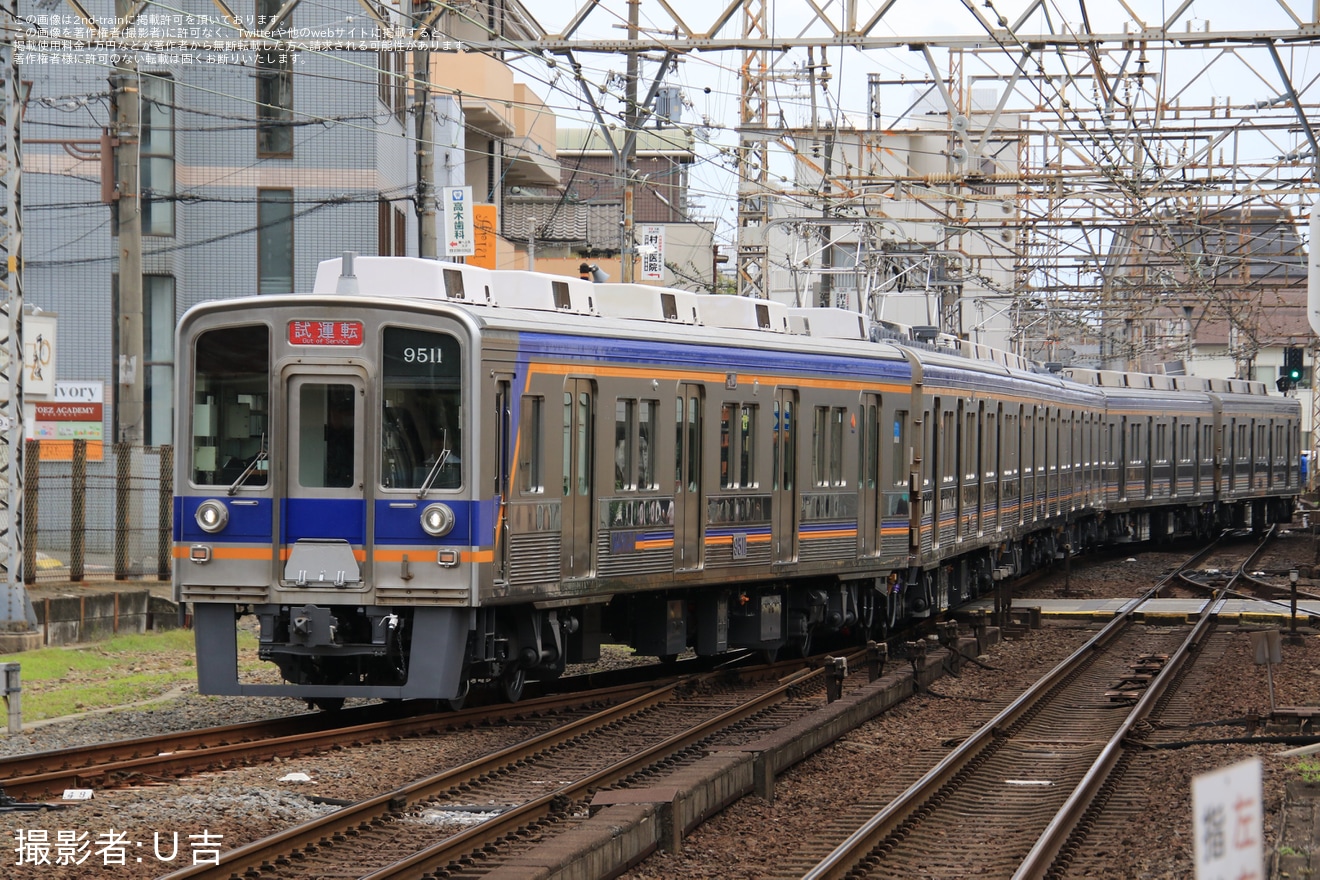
<point x="437" y="520"/>
<point x="212" y="516"/>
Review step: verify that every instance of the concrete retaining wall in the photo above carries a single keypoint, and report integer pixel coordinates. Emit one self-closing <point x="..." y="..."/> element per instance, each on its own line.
<point x="68" y="620"/>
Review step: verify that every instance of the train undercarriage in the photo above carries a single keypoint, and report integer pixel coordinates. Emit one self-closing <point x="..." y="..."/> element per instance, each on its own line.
<point x="382" y="649"/>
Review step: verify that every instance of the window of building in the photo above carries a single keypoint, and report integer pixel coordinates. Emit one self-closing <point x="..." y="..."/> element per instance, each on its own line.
<point x="274" y="241"/>
<point x="156" y="154"/>
<point x="391" y="230"/>
<point x="394" y="83"/>
<point x="274" y="88"/>
<point x="158" y="358"/>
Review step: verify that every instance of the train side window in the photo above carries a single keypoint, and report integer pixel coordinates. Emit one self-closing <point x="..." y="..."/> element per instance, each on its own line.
<point x="747" y="447"/>
<point x="827" y="446"/>
<point x="727" y="446"/>
<point x="819" y="449"/>
<point x="782" y="462"/>
<point x="529" y="463"/>
<point x="584" y="440"/>
<point x="837" y="415"/>
<point x="948" y="452"/>
<point x="648" y="418"/>
<point x="678" y="440"/>
<point x="897" y="501"/>
<point x="737" y="446"/>
<point x="868" y="472"/>
<point x="568" y="443"/>
<point x="971" y="447"/>
<point x="624" y="426"/>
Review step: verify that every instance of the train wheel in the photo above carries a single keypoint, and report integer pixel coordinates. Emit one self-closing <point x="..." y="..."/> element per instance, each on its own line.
<point x="511" y="683"/>
<point x="456" y="702"/>
<point x="328" y="704"/>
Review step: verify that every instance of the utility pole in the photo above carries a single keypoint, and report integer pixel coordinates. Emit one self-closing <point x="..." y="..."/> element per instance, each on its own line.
<point x="827" y="255"/>
<point x="18" y="630"/>
<point x="125" y="93"/>
<point x="753" y="157"/>
<point x="629" y="156"/>
<point x="427" y="247"/>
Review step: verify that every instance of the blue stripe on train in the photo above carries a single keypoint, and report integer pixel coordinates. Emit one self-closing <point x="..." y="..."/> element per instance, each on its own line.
<point x="251" y="520"/>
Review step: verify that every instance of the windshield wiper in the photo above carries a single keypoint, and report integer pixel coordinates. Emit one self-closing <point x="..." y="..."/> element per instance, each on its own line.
<point x="435" y="468"/>
<point x="260" y="457"/>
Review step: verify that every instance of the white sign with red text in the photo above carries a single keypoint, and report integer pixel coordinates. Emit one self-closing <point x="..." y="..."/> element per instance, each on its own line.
<point x="1228" y="821"/>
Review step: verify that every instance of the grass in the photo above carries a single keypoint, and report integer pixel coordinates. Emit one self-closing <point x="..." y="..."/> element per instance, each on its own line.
<point x="122" y="670"/>
<point x="1309" y="770"/>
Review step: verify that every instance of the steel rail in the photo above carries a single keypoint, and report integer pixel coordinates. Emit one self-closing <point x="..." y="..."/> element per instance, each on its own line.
<point x="866" y="838"/>
<point x="421" y="863"/>
<point x="253" y="855"/>
<point x="26" y="776"/>
<point x="1040" y="860"/>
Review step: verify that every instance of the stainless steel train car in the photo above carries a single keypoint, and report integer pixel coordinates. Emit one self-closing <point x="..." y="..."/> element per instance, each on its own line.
<point x="425" y="474"/>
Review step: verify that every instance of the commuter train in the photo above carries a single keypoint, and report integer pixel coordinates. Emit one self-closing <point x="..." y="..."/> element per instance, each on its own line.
<point x="425" y="474"/>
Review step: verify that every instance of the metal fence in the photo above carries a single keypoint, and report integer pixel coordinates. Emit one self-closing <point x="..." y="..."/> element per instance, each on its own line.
<point x="97" y="520"/>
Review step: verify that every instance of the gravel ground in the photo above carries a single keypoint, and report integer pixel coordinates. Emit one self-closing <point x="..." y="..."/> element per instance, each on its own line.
<point x="227" y="809"/>
<point x="883" y="757"/>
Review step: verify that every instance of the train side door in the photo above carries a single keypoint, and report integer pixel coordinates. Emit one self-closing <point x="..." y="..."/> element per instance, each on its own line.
<point x="503" y="464"/>
<point x="868" y="501"/>
<point x="579" y="525"/>
<point x="1121" y="458"/>
<point x="323" y="517"/>
<point x="785" y="505"/>
<point x="689" y="542"/>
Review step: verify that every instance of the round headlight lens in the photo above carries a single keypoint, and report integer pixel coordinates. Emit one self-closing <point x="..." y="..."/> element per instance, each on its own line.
<point x="212" y="516"/>
<point x="437" y="520"/>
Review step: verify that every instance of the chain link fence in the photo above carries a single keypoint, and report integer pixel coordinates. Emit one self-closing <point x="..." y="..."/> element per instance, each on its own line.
<point x="87" y="519"/>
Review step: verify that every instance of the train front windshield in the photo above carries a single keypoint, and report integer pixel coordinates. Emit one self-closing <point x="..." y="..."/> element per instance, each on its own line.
<point x="421" y="422"/>
<point x="230" y="396"/>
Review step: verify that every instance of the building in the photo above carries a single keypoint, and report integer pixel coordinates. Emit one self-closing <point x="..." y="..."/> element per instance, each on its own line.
<point x="254" y="166"/>
<point x="581" y="216"/>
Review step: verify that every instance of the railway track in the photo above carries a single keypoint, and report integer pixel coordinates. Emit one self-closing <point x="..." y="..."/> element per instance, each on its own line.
<point x="524" y="790"/>
<point x="1030" y="778"/>
<point x="45" y="774"/>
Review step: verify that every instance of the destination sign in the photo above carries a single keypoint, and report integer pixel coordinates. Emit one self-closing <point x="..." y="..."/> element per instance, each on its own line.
<point x="325" y="332"/>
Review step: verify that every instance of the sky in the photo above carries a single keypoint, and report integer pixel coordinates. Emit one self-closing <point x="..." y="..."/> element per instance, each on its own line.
<point x="710" y="87"/>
